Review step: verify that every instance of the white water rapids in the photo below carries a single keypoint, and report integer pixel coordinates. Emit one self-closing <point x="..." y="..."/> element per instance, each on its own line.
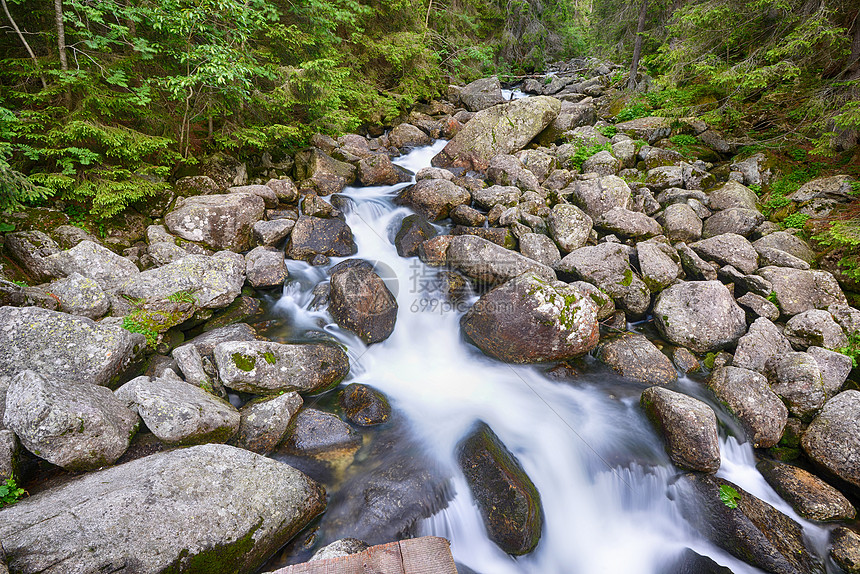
<point x="604" y="478"/>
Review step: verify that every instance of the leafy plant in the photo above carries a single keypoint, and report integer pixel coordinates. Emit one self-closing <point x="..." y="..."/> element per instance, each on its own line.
<point x="585" y="151"/>
<point x="607" y="131"/>
<point x="852" y="349"/>
<point x="633" y="111"/>
<point x="729" y="496"/>
<point x="133" y="323"/>
<point x="182" y="297"/>
<point x="10" y="493"/>
<point x="795" y="220"/>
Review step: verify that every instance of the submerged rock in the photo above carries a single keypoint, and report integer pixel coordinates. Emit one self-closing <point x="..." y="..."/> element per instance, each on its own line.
<point x="364" y="406"/>
<point x="314" y="236"/>
<point x="688" y="427"/>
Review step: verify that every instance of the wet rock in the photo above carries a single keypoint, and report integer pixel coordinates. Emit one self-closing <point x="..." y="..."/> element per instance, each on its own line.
<point x="272" y="232"/>
<point x="507" y="499"/>
<point x="692" y="563"/>
<point x="732" y="195"/>
<point x="433" y="199"/>
<point x="811" y="497"/>
<point x="78" y="426"/>
<point x="379" y="170"/>
<point x="65" y="347"/>
<point x="489" y="197"/>
<point x="734" y="220"/>
<point x="815" y="327"/>
<point x="796" y="378"/>
<point x="569" y="226"/>
<point x="320" y="434"/>
<point x="596" y="196"/>
<point x="633" y="356"/>
<point x="688" y="427"/>
<point x="211" y="504"/>
<point x="509" y="170"/>
<point x="649" y="129"/>
<point x="361" y="303"/>
<point x="265" y="267"/>
<point x="699" y="315"/>
<point x="763" y="341"/>
<point x="834" y="367"/>
<point x="214" y="281"/>
<point x="364" y="406"/>
<point x="313" y="236"/>
<point x="845" y="549"/>
<point x="481" y="94"/>
<point x="601" y="163"/>
<point x="681" y="223"/>
<point x="95" y="262"/>
<point x="757" y="306"/>
<point x="264" y="367"/>
<point x="832" y="440"/>
<point x="754" y="532"/>
<point x="797" y="290"/>
<point x="434" y="252"/>
<point x="265" y="421"/>
<point x="491" y="264"/>
<point x="178" y="412"/>
<point x="502" y="129"/>
<point x="79" y="295"/>
<point x="529" y="319"/>
<point x="319" y="171"/>
<point x="220" y="221"/>
<point x="659" y="263"/>
<point x="540" y="248"/>
<point x="684" y="360"/>
<point x="626" y="223"/>
<point x="608" y="267"/>
<point x="749" y="398"/>
<point x="728" y="249"/>
<point x="788" y="243"/>
<point x="30" y="249"/>
<point x="414" y="230"/>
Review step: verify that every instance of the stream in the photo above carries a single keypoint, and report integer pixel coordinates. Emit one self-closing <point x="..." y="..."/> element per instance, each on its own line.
<point x="606" y="483"/>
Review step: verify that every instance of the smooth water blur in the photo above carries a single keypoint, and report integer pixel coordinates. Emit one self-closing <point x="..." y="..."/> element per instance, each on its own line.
<point x="602" y="473"/>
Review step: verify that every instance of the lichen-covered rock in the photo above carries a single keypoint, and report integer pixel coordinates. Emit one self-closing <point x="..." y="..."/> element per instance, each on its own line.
<point x="757" y="306"/>
<point x="509" y="170"/>
<point x="797" y="290"/>
<point x="529" y="320"/>
<point x="601" y="163"/>
<point x="360" y="302"/>
<point x="763" y="341"/>
<point x="571" y="116"/>
<point x="784" y="241"/>
<point x="833" y="438"/>
<point x="321" y="435"/>
<point x="699" y="315"/>
<point x="774" y="257"/>
<point x="748" y="396"/>
<point x="206" y="505"/>
<point x="414" y="230"/>
<point x="214" y="281"/>
<point x="78" y="426"/>
<point x="178" y="412"/>
<point x="796" y="378"/>
<point x="95" y="262"/>
<point x="319" y="171"/>
<point x="264" y="367"/>
<point x="405" y="136"/>
<point x="491" y="264"/>
<point x="433" y="199"/>
<point x="379" y="170"/>
<point x="811" y="497"/>
<point x="728" y="249"/>
<point x="489" y="197"/>
<point x="79" y="295"/>
<point x="688" y="427"/>
<point x="649" y="129"/>
<point x="731" y="195"/>
<point x="659" y="263"/>
<point x="737" y="220"/>
<point x="835" y="368"/>
<point x="465" y="215"/>
<point x="265" y="422"/>
<point x="272" y="232"/>
<point x="364" y="406"/>
<point x="569" y="226"/>
<point x="61" y="346"/>
<point x="664" y="177"/>
<point x="815" y="328"/>
<point x="481" y="94"/>
<point x="507" y="499"/>
<point x="220" y="221"/>
<point x="502" y="129"/>
<point x="633" y="356"/>
<point x="696" y="268"/>
<point x="189" y="361"/>
<point x="596" y="196"/>
<point x="681" y="223"/>
<point x="31" y="250"/>
<point x="284" y="188"/>
<point x="625" y="223"/>
<point x="265" y="267"/>
<point x="541" y="248"/>
<point x="607" y="266"/>
<point x="314" y="236"/>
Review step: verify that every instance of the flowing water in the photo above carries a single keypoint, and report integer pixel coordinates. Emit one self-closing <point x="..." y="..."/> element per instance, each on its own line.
<point x="605" y="481"/>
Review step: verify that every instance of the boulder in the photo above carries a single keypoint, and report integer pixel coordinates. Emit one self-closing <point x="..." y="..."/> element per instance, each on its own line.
<point x="504" y="129"/>
<point x="763" y="341"/>
<point x="529" y="320"/>
<point x="317" y="170"/>
<point x="489" y="197"/>
<point x="649" y="129"/>
<point x="481" y="94"/>
<point x="834" y="367"/>
<point x="774" y="257"/>
<point x="659" y="263"/>
<point x="379" y="170"/>
<point x="340" y="548"/>
<point x="832" y="440"/>
<point x="264" y="367"/>
<point x="788" y="243"/>
<point x="605" y="304"/>
<point x="757" y="306"/>
<point x="284" y="188"/>
<point x="490" y="264"/>
<point x="219" y="221"/>
<point x="213" y="282"/>
<point x="664" y="177"/>
<point x="64" y="347"/>
<point x="596" y="196"/>
<point x="433" y="199"/>
<point x="569" y="226"/>
<point x="695" y="268"/>
<point x="735" y="220"/>
<point x="265" y="267"/>
<point x="688" y="427"/>
<point x="815" y="328"/>
<point x="699" y="315"/>
<point x="210" y="504"/>
<point x="728" y="249"/>
<point x="633" y="356"/>
<point x="749" y="398"/>
<point x="319" y="434"/>
<point x="541" y="248"/>
<point x="628" y="224"/>
<point x="681" y="223"/>
<point x="414" y="230"/>
<point x="501" y="236"/>
<point x="811" y="497"/>
<point x="509" y="170"/>
<point x="845" y="549"/>
<point x="189" y="361"/>
<point x="797" y="290"/>
<point x="732" y="194"/>
<point x="469" y="216"/>
<point x="601" y="163"/>
<point x="570" y="117"/>
<point x="314" y="236"/>
<point x="272" y="232"/>
<point x="538" y="162"/>
<point x="31" y="249"/>
<point x="796" y="378"/>
<point x="607" y="266"/>
<point x="94" y="262"/>
<point x="360" y="302"/>
<point x="406" y="136"/>
<point x="79" y="295"/>
<point x="364" y="406"/>
<point x="265" y="421"/>
<point x="78" y="426"/>
<point x="10" y="453"/>
<point x="266" y="193"/>
<point x="164" y="252"/>
<point x="507" y="499"/>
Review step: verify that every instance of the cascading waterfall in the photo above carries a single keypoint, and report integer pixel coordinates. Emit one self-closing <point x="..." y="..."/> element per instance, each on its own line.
<point x="603" y="475"/>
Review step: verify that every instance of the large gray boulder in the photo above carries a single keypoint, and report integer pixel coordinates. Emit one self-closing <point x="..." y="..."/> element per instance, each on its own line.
<point x="784" y="241"/>
<point x="172" y="511"/>
<point x="317" y="170"/>
<point x="66" y="347"/>
<point x="747" y="395"/>
<point x="681" y="223"/>
<point x="649" y="129"/>
<point x="491" y="264"/>
<point x="178" y="412"/>
<point x="659" y="263"/>
<point x="265" y="422"/>
<point x="607" y="266"/>
<point x="597" y="195"/>
<point x="728" y="249"/>
<point x="735" y="220"/>
<point x="95" y="262"/>
<point x="569" y="118"/>
<point x="405" y="136"/>
<point x="481" y="94"/>
<point x="699" y="315"/>
<point x="633" y="356"/>
<point x="220" y="221"/>
<point x="763" y="341"/>
<point x="264" y="367"/>
<point x="832" y="440"/>
<point x="360" y="302"/>
<point x="312" y="236"/>
<point x="628" y="224"/>
<point x="489" y="197"/>
<point x="796" y="379"/>
<point x="502" y="129"/>
<point x="78" y="426"/>
<point x="265" y="267"/>
<point x="529" y="320"/>
<point x="815" y="327"/>
<point x="433" y="199"/>
<point x="798" y="290"/>
<point x="509" y="170"/>
<point x="569" y="226"/>
<point x="811" y="497"/>
<point x="731" y="194"/>
<point x="688" y="427"/>
<point x="835" y="368"/>
<point x="214" y="281"/>
<point x="79" y="295"/>
<point x="541" y="248"/>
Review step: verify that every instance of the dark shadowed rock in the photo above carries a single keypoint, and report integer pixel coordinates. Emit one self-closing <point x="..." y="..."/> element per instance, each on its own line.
<point x="314" y="236"/>
<point x="187" y="509"/>
<point x="320" y="434"/>
<point x="360" y="302"/>
<point x="699" y="315"/>
<point x="433" y="199"/>
<point x="414" y="230"/>
<point x="811" y="497"/>
<point x="749" y="398"/>
<point x="31" y="249"/>
<point x="845" y="549"/>
<point x="688" y="427"/>
<point x="633" y="356"/>
<point x="364" y="406"/>
<point x="692" y="563"/>
<point x="507" y="499"/>
<point x="220" y="221"/>
<point x="530" y="319"/>
<point x="833" y="438"/>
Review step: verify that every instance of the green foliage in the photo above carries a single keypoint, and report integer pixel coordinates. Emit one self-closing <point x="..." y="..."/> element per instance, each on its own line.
<point x="755" y="188"/>
<point x="795" y="220"/>
<point x="772" y="298"/>
<point x="709" y="360"/>
<point x="585" y="151"/>
<point x="607" y="131"/>
<point x="633" y="111"/>
<point x="135" y="323"/>
<point x="182" y="297"/>
<point x="10" y="492"/>
<point x="729" y="496"/>
<point x="684" y="140"/>
<point x="852" y="349"/>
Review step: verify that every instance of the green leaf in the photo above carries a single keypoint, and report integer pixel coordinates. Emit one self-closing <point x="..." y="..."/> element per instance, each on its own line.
<point x="729" y="496"/>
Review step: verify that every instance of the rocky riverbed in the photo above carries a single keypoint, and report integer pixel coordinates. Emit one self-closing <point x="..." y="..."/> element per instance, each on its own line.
<point x="160" y="429"/>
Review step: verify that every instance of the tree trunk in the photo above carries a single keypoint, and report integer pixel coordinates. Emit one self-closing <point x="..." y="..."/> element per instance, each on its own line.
<point x="23" y="41"/>
<point x="61" y="34"/>
<point x="637" y="45"/>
